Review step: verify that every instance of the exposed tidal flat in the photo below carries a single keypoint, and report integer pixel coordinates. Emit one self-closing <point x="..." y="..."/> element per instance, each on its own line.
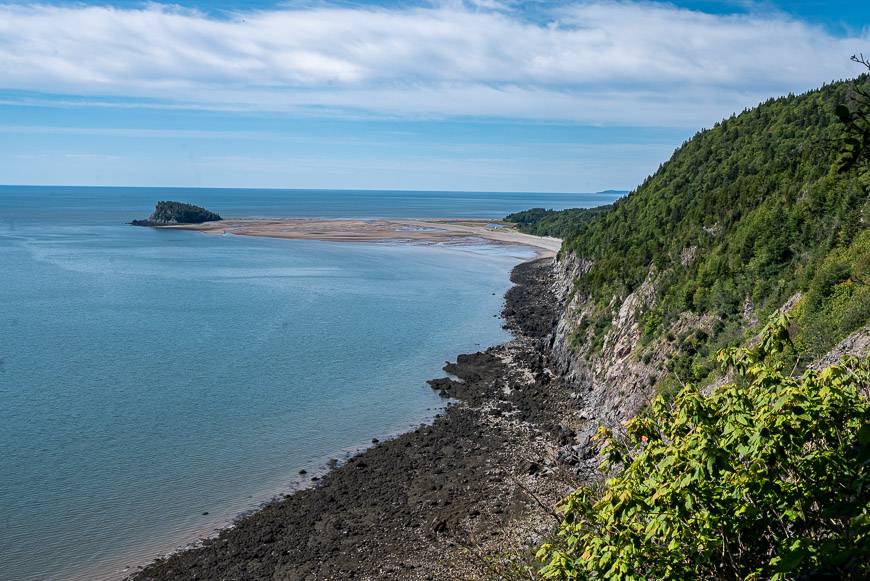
<point x="151" y="377"/>
<point x="417" y="231"/>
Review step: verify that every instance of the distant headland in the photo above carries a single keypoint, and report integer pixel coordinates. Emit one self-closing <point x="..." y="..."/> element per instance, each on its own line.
<point x="166" y="213"/>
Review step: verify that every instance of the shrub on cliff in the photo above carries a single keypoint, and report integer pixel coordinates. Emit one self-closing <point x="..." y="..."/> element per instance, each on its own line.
<point x="765" y="478"/>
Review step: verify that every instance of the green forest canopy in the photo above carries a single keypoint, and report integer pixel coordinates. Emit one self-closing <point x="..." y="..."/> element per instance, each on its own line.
<point x="763" y="204"/>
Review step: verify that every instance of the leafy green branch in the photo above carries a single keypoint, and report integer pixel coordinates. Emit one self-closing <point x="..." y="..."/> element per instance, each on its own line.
<point x="765" y="478"/>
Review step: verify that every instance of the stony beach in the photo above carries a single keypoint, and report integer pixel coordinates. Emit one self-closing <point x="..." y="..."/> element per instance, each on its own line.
<point x="463" y="498"/>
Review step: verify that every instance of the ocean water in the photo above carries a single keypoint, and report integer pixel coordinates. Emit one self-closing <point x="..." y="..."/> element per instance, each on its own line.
<point x="155" y="384"/>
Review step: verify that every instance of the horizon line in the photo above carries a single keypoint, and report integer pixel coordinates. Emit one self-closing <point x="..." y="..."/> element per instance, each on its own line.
<point x="607" y="191"/>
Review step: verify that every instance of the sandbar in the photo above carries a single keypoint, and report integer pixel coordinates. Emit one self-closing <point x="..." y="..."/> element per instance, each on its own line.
<point x="423" y="231"/>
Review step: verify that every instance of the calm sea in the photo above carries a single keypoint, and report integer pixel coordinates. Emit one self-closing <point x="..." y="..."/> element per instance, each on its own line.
<point x="155" y="384"/>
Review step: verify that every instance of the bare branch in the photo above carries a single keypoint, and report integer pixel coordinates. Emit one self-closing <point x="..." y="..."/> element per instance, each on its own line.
<point x="859" y="58"/>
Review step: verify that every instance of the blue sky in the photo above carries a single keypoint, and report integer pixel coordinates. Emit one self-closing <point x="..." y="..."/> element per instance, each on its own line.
<point x="475" y="95"/>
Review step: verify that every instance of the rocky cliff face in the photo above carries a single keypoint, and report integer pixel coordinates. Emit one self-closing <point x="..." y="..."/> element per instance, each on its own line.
<point x="612" y="380"/>
<point x="857" y="344"/>
<point x="616" y="378"/>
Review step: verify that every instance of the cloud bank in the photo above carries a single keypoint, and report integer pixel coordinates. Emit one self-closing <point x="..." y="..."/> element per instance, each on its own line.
<point x="589" y="62"/>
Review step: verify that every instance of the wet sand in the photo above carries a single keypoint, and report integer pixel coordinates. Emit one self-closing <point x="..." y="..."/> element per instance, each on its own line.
<point x="422" y="231"/>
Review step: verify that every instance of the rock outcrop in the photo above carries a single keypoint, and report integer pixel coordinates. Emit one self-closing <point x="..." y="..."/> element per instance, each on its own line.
<point x="168" y="213"/>
<point x="857" y="344"/>
<point x="614" y="379"/>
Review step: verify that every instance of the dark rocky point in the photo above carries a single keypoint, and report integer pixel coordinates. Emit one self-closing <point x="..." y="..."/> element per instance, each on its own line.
<point x="167" y="213"/>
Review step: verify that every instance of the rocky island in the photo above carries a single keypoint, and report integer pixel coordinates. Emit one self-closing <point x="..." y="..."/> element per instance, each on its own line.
<point x="166" y="213"/>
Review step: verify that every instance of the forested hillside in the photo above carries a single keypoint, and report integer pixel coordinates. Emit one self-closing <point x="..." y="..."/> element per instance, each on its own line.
<point x="742" y="217"/>
<point x="696" y="307"/>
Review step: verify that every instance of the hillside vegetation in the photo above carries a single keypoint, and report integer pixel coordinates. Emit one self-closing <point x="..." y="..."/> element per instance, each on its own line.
<point x="762" y="474"/>
<point x="741" y="218"/>
<point x="766" y="478"/>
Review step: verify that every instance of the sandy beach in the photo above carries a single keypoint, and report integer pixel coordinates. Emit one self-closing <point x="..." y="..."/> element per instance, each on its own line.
<point x="423" y="231"/>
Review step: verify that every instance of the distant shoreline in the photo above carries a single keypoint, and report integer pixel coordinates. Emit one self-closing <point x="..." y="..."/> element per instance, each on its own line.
<point x="423" y="231"/>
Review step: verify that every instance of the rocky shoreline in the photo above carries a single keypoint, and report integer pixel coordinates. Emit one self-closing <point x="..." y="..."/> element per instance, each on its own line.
<point x="463" y="498"/>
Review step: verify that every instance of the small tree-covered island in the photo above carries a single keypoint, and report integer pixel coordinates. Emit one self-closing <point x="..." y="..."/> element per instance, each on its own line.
<point x="167" y="213"/>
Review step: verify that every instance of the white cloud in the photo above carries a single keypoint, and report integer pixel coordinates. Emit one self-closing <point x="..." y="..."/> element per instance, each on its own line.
<point x="594" y="62"/>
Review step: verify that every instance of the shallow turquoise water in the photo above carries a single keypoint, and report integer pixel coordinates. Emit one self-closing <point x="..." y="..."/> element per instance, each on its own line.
<point x="147" y="377"/>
